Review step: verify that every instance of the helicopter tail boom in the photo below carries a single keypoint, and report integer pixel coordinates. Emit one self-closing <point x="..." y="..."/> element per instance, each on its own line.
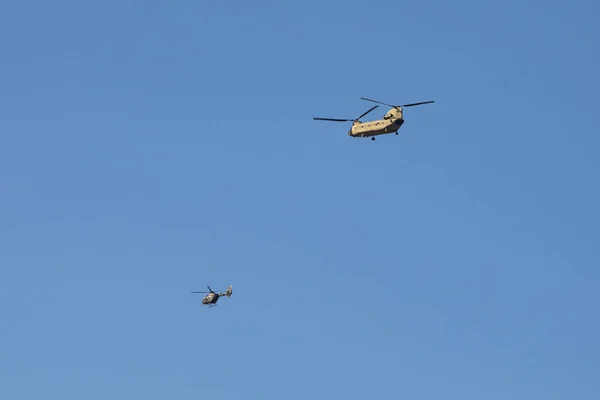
<point x="227" y="293"/>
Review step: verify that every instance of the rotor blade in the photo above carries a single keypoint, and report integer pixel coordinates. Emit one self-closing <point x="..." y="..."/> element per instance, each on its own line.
<point x="404" y="105"/>
<point x="417" y="104"/>
<point x="375" y="101"/>
<point x="209" y="288"/>
<point x="332" y="119"/>
<point x="374" y="107"/>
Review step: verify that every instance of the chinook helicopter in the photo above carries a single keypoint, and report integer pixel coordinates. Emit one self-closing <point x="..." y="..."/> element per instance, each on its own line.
<point x="212" y="297"/>
<point x="391" y="122"/>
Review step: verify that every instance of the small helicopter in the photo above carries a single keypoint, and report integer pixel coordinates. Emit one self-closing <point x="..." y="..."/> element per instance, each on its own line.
<point x="212" y="297"/>
<point x="391" y="122"/>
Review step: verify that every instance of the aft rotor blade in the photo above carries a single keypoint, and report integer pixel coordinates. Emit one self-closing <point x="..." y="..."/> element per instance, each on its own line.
<point x="375" y="101"/>
<point x="332" y="119"/>
<point x="403" y="105"/>
<point x="374" y="107"/>
<point x="417" y="104"/>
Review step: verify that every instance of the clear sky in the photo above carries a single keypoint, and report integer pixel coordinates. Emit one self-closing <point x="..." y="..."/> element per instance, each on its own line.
<point x="151" y="148"/>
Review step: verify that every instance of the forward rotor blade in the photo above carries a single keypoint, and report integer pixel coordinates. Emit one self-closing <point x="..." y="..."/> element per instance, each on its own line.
<point x="332" y="119"/>
<point x="374" y="107"/>
<point x="417" y="104"/>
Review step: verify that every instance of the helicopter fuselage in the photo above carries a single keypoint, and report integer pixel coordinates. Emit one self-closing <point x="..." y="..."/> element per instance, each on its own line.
<point x="391" y="123"/>
<point x="210" y="298"/>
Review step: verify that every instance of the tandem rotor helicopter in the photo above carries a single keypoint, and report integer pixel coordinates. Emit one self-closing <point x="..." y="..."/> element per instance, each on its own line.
<point x="212" y="297"/>
<point x="391" y="122"/>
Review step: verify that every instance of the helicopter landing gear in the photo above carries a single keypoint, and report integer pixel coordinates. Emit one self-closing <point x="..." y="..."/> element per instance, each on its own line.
<point x="396" y="133"/>
<point x="372" y="137"/>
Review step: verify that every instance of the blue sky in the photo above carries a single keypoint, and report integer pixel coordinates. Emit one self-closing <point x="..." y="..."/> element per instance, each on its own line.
<point x="149" y="149"/>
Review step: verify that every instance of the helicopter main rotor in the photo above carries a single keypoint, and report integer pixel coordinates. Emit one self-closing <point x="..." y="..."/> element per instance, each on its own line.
<point x="210" y="291"/>
<point x="345" y="120"/>
<point x="397" y="106"/>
